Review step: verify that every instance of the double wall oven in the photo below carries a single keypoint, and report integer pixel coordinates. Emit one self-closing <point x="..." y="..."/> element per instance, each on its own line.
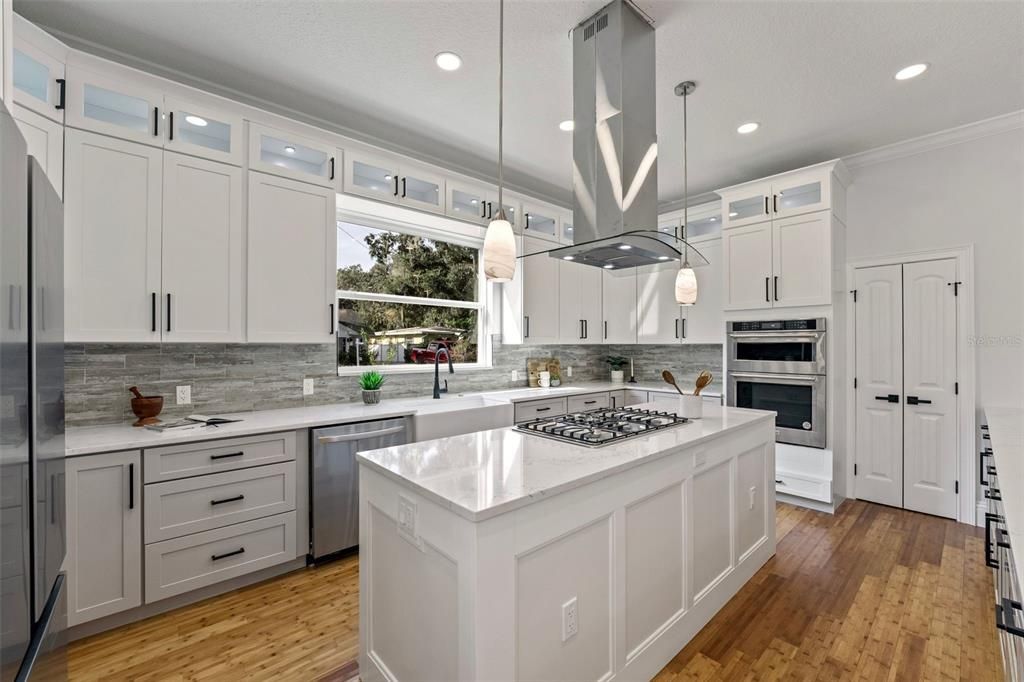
<point x="779" y="365"/>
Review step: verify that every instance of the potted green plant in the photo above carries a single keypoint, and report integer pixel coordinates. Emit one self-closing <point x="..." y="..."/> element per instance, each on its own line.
<point x="617" y="363"/>
<point x="556" y="379"/>
<point x="371" y="383"/>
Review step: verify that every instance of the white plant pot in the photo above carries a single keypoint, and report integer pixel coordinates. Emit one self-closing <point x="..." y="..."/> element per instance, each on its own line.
<point x="618" y="376"/>
<point x="690" y="406"/>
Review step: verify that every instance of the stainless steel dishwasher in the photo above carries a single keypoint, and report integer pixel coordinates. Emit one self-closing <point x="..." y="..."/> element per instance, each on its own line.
<point x="335" y="479"/>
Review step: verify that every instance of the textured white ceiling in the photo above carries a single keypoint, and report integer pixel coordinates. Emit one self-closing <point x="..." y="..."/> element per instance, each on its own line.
<point x="816" y="75"/>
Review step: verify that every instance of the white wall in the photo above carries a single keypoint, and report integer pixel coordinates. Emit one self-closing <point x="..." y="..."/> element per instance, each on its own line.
<point x="967" y="193"/>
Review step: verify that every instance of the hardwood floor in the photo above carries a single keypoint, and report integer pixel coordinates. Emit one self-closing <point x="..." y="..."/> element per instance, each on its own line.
<point x="871" y="593"/>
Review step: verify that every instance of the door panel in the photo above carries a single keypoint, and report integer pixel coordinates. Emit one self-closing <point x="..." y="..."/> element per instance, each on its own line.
<point x="570" y="318"/>
<point x="930" y="430"/>
<point x="540" y="286"/>
<point x="747" y="266"/>
<point x="619" y="306"/>
<point x="800" y="256"/>
<point x="705" y="320"/>
<point x="45" y="139"/>
<point x="879" y="357"/>
<point x="658" y="315"/>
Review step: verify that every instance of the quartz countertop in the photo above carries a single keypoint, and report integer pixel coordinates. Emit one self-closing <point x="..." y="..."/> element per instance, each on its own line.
<point x="484" y="474"/>
<point x="1006" y="431"/>
<point x="88" y="440"/>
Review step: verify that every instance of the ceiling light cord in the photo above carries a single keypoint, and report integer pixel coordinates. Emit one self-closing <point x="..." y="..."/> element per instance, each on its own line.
<point x="501" y="104"/>
<point x="686" y="198"/>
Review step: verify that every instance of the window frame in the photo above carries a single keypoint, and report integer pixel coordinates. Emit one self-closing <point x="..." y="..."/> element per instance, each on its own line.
<point x="458" y="235"/>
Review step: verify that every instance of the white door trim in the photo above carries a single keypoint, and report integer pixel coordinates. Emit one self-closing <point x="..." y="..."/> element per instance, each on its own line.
<point x="965" y="370"/>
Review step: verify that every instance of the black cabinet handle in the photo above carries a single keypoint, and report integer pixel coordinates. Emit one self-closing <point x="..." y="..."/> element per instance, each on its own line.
<point x="152" y="311"/>
<point x="914" y="400"/>
<point x="331" y="177"/>
<point x="775" y="288"/>
<point x="490" y="210"/>
<point x="684" y="327"/>
<point x="581" y="330"/>
<point x="994" y="494"/>
<point x="225" y="500"/>
<point x="991" y="560"/>
<point x="168" y="312"/>
<point x="527" y="226"/>
<point x="542" y="409"/>
<point x="526" y="332"/>
<point x="330" y="320"/>
<point x="984" y="427"/>
<point x="131" y="485"/>
<point x="395" y="178"/>
<point x="483" y="210"/>
<point x="766" y="205"/>
<point x="156" y="121"/>
<point x="226" y="455"/>
<point x="775" y="203"/>
<point x="403" y="188"/>
<point x="606" y="329"/>
<point x="1004" y="617"/>
<point x="218" y="557"/>
<point x="170" y="126"/>
<point x="677" y="327"/>
<point x="61" y="93"/>
<point x="891" y="398"/>
<point x="766" y="297"/>
<point x="589" y="402"/>
<point x="981" y="468"/>
<point x="586" y="329"/>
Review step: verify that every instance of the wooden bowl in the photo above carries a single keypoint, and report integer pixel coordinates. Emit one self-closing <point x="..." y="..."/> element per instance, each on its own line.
<point x="146" y="409"/>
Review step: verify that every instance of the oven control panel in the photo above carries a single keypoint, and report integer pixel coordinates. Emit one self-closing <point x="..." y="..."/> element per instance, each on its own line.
<point x="779" y="325"/>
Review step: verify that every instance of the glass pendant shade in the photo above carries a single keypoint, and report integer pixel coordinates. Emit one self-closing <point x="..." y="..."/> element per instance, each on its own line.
<point x="499" y="251"/>
<point x="686" y="285"/>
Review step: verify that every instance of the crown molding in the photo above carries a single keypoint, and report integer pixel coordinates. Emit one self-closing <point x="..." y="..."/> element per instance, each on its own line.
<point x="944" y="138"/>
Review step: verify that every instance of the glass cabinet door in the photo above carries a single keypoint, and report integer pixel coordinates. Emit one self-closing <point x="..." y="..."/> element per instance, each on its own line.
<point x="707" y="226"/>
<point x="467" y="202"/>
<point x="203" y="132"/>
<point x="567" y="236"/>
<point x="281" y="153"/>
<point x="372" y="176"/>
<point x="511" y="212"/>
<point x="802" y="193"/>
<point x="119" y="107"/>
<point x="540" y="221"/>
<point x="422" y="189"/>
<point x="39" y="82"/>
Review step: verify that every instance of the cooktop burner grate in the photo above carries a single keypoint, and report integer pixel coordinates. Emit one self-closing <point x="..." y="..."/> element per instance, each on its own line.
<point x="601" y="426"/>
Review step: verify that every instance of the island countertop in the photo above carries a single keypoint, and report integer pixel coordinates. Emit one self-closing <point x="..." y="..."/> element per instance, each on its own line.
<point x="1006" y="430"/>
<point x="484" y="474"/>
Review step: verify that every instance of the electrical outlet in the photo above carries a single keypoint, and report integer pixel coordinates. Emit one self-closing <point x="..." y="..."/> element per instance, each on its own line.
<point x="515" y="375"/>
<point x="570" y="620"/>
<point x="568" y="371"/>
<point x="407" y="517"/>
<point x="307" y="387"/>
<point x="183" y="394"/>
<point x="753" y="495"/>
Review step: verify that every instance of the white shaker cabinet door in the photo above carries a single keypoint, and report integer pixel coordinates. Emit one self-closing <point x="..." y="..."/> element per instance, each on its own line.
<point x="747" y="266"/>
<point x="292" y="261"/>
<point x="705" y="320"/>
<point x="112" y="206"/>
<point x="540" y="292"/>
<point x="45" y="140"/>
<point x="104" y="523"/>
<point x="570" y="318"/>
<point x="802" y="260"/>
<point x="619" y="299"/>
<point x="658" y="315"/>
<point x="202" y="251"/>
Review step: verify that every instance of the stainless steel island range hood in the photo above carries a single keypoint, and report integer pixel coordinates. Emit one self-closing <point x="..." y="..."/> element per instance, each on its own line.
<point x="615" y="146"/>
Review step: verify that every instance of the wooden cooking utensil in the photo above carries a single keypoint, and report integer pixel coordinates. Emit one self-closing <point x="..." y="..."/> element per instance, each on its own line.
<point x="703" y="379"/>
<point x="669" y="379"/>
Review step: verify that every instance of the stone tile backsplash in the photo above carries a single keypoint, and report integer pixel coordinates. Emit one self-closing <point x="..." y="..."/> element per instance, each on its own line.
<point x="244" y="377"/>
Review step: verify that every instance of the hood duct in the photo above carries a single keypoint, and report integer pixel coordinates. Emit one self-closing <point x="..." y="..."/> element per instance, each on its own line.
<point x="615" y="146"/>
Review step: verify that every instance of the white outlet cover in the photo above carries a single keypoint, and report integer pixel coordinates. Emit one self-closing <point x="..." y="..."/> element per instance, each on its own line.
<point x="307" y="387"/>
<point x="183" y="395"/>
<point x="515" y="375"/>
<point x="568" y="371"/>
<point x="407" y="519"/>
<point x="570" y="620"/>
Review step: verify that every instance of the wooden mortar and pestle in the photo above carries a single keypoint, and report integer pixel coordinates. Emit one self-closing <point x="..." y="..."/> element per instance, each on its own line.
<point x="146" y="408"/>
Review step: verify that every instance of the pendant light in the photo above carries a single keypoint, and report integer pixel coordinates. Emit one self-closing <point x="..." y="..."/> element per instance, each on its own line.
<point x="499" y="242"/>
<point x="686" y="280"/>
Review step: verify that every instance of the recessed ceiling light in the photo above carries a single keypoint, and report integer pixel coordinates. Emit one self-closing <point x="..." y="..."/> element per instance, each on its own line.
<point x="567" y="126"/>
<point x="733" y="214"/>
<point x="912" y="71"/>
<point x="625" y="247"/>
<point x="290" y="149"/>
<point x="748" y="128"/>
<point x="448" y="61"/>
<point x="568" y="257"/>
<point x="609" y="266"/>
<point x="195" y="120"/>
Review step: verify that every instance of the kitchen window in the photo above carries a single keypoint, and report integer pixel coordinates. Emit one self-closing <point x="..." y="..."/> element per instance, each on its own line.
<point x="405" y="298"/>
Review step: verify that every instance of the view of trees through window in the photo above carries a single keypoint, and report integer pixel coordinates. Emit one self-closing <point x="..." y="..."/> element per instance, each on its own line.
<point x="386" y="331"/>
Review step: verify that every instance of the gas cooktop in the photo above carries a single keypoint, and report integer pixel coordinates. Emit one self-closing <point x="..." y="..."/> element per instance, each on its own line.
<point x="601" y="426"/>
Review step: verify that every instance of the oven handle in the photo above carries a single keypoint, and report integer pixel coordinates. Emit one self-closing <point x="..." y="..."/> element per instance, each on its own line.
<point x="801" y="378"/>
<point x="789" y="336"/>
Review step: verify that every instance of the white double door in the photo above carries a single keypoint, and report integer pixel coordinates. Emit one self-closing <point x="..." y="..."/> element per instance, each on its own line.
<point x="906" y="430"/>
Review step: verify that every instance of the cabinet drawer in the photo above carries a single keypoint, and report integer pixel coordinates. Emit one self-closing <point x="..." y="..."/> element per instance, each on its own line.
<point x="802" y="486"/>
<point x="591" y="401"/>
<point x="192" y="459"/>
<point x="634" y="397"/>
<point x="536" y="409"/>
<point x="192" y="505"/>
<point x="194" y="561"/>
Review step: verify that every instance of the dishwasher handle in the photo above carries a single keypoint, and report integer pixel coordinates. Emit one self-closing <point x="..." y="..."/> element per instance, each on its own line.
<point x="348" y="437"/>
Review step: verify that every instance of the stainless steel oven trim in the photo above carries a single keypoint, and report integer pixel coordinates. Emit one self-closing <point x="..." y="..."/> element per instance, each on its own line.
<point x="818" y="366"/>
<point x="817" y="437"/>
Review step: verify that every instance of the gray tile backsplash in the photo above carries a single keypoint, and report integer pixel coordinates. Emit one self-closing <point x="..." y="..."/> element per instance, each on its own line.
<point x="244" y="377"/>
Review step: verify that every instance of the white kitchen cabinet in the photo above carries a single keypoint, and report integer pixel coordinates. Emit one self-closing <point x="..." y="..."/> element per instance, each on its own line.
<point x="112" y="250"/>
<point x="388" y="178"/>
<point x="540" y="293"/>
<point x="579" y="303"/>
<point x="479" y="204"/>
<point x="285" y="154"/>
<point x="747" y="266"/>
<point x="659" y="317"/>
<point x="104" y="526"/>
<point x="704" y="322"/>
<point x="800" y="193"/>
<point x="202" y="130"/>
<point x="202" y="280"/>
<point x="782" y="196"/>
<point x="114" y="103"/>
<point x="292" y="267"/>
<point x="801" y="262"/>
<point x="542" y="220"/>
<point x="747" y="204"/>
<point x="45" y="140"/>
<point x="38" y="70"/>
<point x="619" y="306"/>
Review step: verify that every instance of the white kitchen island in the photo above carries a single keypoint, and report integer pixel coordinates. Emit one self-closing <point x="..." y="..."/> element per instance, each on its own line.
<point x="504" y="555"/>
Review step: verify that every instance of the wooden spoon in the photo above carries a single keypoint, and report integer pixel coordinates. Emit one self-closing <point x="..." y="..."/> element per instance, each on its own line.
<point x="703" y="379"/>
<point x="135" y="391"/>
<point x="669" y="379"/>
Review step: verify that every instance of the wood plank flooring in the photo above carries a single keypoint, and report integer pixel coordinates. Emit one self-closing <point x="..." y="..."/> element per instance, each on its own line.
<point x="872" y="593"/>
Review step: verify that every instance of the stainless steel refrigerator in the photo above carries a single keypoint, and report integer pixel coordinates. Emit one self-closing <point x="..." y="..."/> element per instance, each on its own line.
<point x="33" y="612"/>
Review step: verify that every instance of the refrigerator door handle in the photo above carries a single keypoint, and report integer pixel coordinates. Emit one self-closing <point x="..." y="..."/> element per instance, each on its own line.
<point x="349" y="437"/>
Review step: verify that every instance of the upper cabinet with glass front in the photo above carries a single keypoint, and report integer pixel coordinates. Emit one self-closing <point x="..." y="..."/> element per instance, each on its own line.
<point x="479" y="204"/>
<point x="781" y="196"/>
<point x="38" y="70"/>
<point x="285" y="154"/>
<point x="543" y="221"/>
<point x="389" y="178"/>
<point x="200" y="130"/>
<point x="114" y="103"/>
